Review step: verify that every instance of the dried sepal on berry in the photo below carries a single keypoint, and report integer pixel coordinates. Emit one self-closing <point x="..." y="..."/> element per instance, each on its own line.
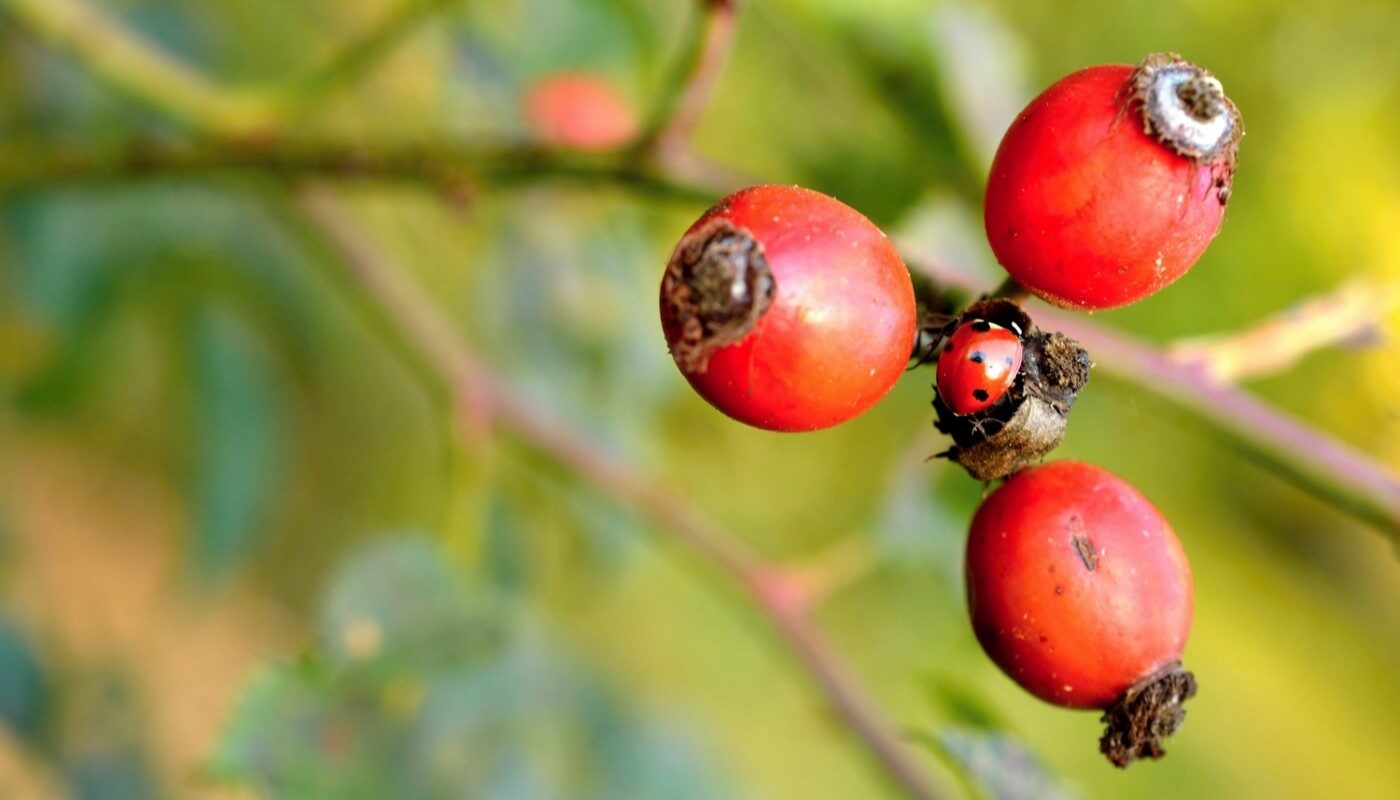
<point x="1110" y="185"/>
<point x="787" y="309"/>
<point x="1184" y="107"/>
<point x="1148" y="713"/>
<point x="1031" y="418"/>
<point x="717" y="285"/>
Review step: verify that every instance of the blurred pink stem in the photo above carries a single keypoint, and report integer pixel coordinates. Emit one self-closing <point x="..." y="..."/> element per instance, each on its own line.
<point x="685" y="103"/>
<point x="1353" y="315"/>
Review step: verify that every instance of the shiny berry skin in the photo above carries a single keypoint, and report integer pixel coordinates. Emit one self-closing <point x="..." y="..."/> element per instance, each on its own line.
<point x="578" y="112"/>
<point x="1077" y="586"/>
<point x="787" y="309"/>
<point x="1111" y="183"/>
<point x="977" y="366"/>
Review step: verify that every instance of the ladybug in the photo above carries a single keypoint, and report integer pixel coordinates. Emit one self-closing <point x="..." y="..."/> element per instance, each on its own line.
<point x="977" y="366"/>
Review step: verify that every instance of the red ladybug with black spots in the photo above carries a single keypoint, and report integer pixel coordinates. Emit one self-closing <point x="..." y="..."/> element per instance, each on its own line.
<point x="977" y="365"/>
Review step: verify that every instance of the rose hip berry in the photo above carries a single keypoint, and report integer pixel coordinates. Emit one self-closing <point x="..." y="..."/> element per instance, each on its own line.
<point x="787" y="309"/>
<point x="977" y="366"/>
<point x="1111" y="183"/>
<point x="1081" y="593"/>
<point x="578" y="112"/>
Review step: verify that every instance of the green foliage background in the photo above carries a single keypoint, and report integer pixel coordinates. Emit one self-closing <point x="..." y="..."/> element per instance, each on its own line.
<point x="211" y="458"/>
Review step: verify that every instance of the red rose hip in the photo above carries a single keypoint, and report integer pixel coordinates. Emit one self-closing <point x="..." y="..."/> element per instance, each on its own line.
<point x="787" y="309"/>
<point x="1080" y="591"/>
<point x="579" y="112"/>
<point x="1111" y="183"/>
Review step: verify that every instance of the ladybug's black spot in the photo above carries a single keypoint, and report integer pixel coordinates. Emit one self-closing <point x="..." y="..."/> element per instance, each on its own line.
<point x="1009" y="361"/>
<point x="977" y="357"/>
<point x="981" y="326"/>
<point x="980" y="394"/>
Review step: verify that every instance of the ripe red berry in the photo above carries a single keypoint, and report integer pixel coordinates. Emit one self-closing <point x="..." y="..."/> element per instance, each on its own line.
<point x="1080" y="592"/>
<point x="579" y="112"/>
<point x="977" y="366"/>
<point x="1111" y="183"/>
<point x="787" y="309"/>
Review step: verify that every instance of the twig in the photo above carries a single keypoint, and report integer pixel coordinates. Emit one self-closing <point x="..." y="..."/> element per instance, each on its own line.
<point x="684" y="103"/>
<point x="1338" y="474"/>
<point x="145" y="73"/>
<point x="122" y="60"/>
<point x="837" y="567"/>
<point x="450" y="168"/>
<point x="433" y="339"/>
<point x="1351" y="315"/>
<point x="1334" y="472"/>
<point x="356" y="58"/>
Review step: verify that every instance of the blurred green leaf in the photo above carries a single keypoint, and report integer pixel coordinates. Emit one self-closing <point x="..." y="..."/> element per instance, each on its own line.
<point x="24" y="689"/>
<point x="292" y="737"/>
<point x="111" y="776"/>
<point x="923" y="519"/>
<point x="999" y="766"/>
<point x="105" y="737"/>
<point x="71" y="250"/>
<point x="897" y="62"/>
<point x="548" y="36"/>
<point x="241" y="435"/>
<point x="157" y="253"/>
<point x="397" y="607"/>
<point x="961" y="704"/>
<point x="556" y="296"/>
<point x="942" y="228"/>
<point x="981" y="74"/>
<point x="536" y="719"/>
<point x="464" y="715"/>
<point x="505" y="560"/>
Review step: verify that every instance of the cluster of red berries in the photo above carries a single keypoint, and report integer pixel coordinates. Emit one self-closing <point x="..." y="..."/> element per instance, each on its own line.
<point x="790" y="311"/>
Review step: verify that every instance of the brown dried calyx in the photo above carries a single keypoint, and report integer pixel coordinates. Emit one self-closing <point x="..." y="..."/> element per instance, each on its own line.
<point x="1148" y="713"/>
<point x="1031" y="418"/>
<point x="1185" y="107"/>
<point x="716" y="287"/>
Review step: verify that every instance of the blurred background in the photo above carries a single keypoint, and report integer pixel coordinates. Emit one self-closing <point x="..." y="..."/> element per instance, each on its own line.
<point x="244" y="551"/>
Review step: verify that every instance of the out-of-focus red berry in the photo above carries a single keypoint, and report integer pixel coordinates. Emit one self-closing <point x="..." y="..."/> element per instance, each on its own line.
<point x="579" y="112"/>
